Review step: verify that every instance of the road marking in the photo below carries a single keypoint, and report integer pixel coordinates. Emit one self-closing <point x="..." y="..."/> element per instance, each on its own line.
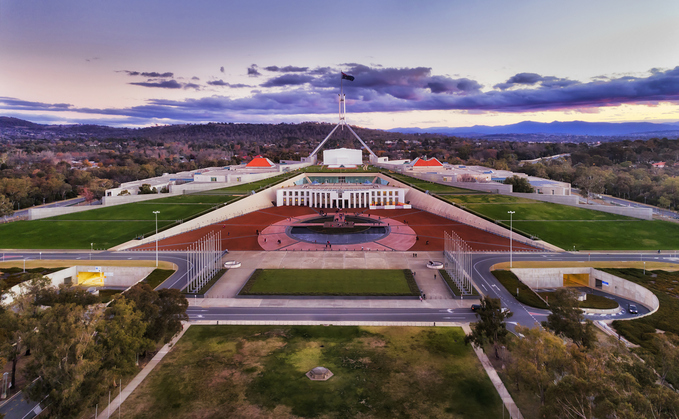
<point x="484" y="287"/>
<point x="453" y="318"/>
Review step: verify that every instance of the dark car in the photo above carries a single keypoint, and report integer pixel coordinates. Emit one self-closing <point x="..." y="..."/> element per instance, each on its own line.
<point x="476" y="307"/>
<point x="632" y="309"/>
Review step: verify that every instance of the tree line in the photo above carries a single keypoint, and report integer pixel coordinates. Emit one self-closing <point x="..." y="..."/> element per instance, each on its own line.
<point x="571" y="373"/>
<point x="73" y="349"/>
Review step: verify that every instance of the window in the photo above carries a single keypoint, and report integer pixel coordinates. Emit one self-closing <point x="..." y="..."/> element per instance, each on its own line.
<point x="213" y="179"/>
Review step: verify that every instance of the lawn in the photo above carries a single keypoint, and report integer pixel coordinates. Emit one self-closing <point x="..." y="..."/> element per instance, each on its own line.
<point x="568" y="227"/>
<point x="107" y="226"/>
<point x="432" y="187"/>
<point x="338" y="282"/>
<point x="158" y="276"/>
<point x="252" y="186"/>
<point x="258" y="371"/>
<point x="526" y="295"/>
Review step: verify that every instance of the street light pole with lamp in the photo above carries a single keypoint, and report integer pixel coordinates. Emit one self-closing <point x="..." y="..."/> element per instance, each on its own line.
<point x="156" y="214"/>
<point x="510" y="237"/>
<point x="91" y="250"/>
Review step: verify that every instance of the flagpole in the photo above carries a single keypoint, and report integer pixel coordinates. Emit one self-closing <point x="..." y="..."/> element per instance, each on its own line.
<point x="341" y="98"/>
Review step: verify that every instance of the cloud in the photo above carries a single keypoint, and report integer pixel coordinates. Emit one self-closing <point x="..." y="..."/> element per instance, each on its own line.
<point x="288" y="80"/>
<point x="221" y="69"/>
<point x="385" y="90"/>
<point x="195" y="78"/>
<point x="531" y="79"/>
<point x="253" y="72"/>
<point x="149" y="74"/>
<point x="287" y="69"/>
<point x="225" y="84"/>
<point x="165" y="84"/>
<point x="23" y="105"/>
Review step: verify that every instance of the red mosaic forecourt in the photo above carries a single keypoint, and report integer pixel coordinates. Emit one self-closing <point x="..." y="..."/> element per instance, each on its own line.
<point x="411" y="230"/>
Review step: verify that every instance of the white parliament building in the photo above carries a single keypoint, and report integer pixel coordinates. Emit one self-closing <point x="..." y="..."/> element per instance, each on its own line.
<point x="342" y="192"/>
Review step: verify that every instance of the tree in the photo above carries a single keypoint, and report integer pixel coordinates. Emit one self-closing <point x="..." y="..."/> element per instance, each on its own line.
<point x="65" y="359"/>
<point x="519" y="184"/>
<point x="121" y="337"/>
<point x="667" y="356"/>
<point x="537" y="359"/>
<point x="6" y="207"/>
<point x="491" y="328"/>
<point x="163" y="310"/>
<point x="173" y="305"/>
<point x="146" y="189"/>
<point x="568" y="319"/>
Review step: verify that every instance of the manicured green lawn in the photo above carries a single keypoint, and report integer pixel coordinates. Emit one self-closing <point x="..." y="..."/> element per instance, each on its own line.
<point x="158" y="276"/>
<point x="380" y="282"/>
<point x="252" y="186"/>
<point x="526" y="295"/>
<point x="47" y="234"/>
<point x="566" y="226"/>
<point x="139" y="211"/>
<point x="259" y="371"/>
<point x="488" y="199"/>
<point x="431" y="186"/>
<point x="197" y="198"/>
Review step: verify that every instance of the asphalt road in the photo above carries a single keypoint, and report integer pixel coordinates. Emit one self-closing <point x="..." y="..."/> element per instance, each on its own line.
<point x="481" y="263"/>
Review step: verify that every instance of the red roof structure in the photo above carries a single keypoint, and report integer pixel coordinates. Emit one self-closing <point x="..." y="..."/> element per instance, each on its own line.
<point x="424" y="162"/>
<point x="260" y="162"/>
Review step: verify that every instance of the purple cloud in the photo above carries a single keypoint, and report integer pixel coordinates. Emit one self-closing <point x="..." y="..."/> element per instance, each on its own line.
<point x="531" y="79"/>
<point x="287" y="69"/>
<point x="288" y="80"/>
<point x="149" y="74"/>
<point x="165" y="84"/>
<point x="253" y="72"/>
<point x="387" y="90"/>
<point x="225" y="84"/>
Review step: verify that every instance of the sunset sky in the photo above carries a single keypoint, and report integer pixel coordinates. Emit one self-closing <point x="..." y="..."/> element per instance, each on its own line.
<point x="416" y="64"/>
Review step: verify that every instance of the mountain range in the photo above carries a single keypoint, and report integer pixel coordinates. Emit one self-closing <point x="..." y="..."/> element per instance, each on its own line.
<point x="579" y="128"/>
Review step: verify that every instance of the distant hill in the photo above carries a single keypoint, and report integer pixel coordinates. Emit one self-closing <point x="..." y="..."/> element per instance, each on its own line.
<point x="579" y="128"/>
<point x="13" y="128"/>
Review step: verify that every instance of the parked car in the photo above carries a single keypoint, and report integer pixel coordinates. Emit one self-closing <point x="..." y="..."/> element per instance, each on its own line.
<point x="476" y="307"/>
<point x="632" y="309"/>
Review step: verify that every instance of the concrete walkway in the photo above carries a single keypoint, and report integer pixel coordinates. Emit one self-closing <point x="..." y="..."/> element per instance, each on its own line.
<point x="495" y="379"/>
<point x="112" y="408"/>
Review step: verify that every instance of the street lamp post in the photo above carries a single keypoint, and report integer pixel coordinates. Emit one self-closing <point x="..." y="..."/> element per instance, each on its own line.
<point x="510" y="237"/>
<point x="156" y="214"/>
<point x="91" y="250"/>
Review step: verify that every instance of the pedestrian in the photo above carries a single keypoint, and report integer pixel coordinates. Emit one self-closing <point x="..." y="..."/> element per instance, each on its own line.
<point x="420" y="298"/>
<point x="427" y="242"/>
<point x="424" y="296"/>
<point x="264" y="239"/>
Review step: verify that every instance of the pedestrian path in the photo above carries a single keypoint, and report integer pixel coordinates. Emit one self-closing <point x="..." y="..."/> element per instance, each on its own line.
<point x="507" y="400"/>
<point x="111" y="410"/>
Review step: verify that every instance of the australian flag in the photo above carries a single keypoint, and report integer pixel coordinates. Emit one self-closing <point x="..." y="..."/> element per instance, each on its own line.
<point x="347" y="77"/>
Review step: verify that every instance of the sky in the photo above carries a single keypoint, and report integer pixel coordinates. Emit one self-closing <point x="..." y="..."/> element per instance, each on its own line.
<point x="416" y="64"/>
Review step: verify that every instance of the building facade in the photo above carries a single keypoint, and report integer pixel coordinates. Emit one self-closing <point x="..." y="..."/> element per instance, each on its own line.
<point x="340" y="195"/>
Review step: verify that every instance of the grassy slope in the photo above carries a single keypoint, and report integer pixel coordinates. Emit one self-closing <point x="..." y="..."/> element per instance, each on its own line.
<point x="566" y="226"/>
<point x="526" y="295"/>
<point x="258" y="371"/>
<point x="328" y="282"/>
<point x="430" y="186"/>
